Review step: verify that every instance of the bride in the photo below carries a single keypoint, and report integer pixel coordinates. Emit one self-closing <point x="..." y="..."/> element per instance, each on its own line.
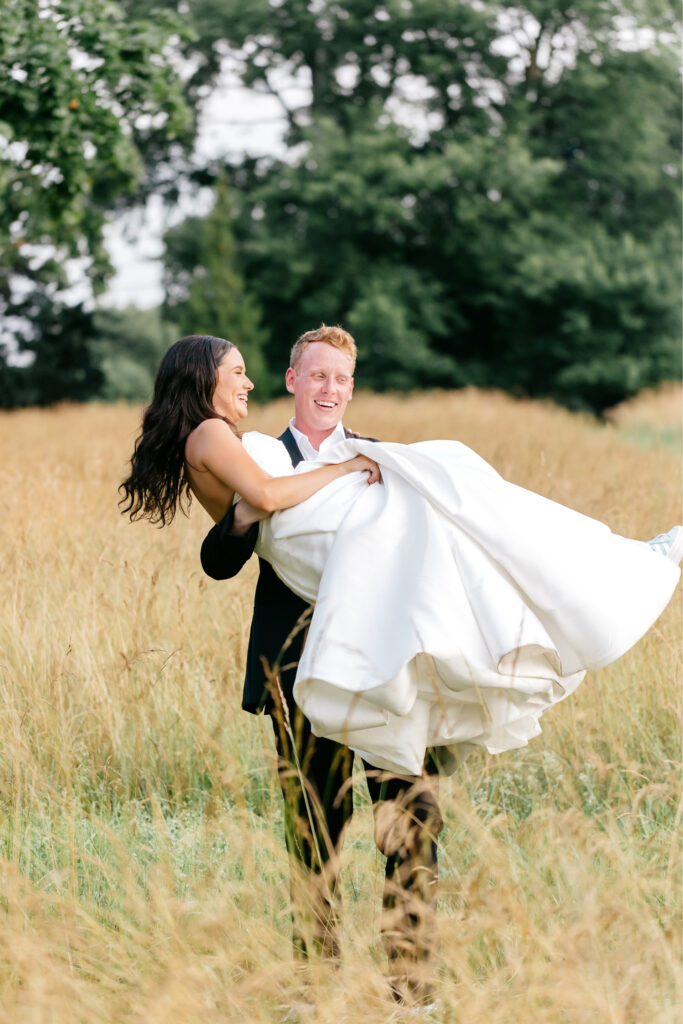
<point x="452" y="608"/>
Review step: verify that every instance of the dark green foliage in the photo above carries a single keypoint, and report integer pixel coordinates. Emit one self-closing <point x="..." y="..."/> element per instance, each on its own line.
<point x="64" y="367"/>
<point x="205" y="293"/>
<point x="484" y="194"/>
<point x="128" y="345"/>
<point x="513" y="222"/>
<point x="86" y="97"/>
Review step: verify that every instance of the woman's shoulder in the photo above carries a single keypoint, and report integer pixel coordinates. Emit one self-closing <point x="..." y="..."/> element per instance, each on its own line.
<point x="212" y="427"/>
<point x="207" y="433"/>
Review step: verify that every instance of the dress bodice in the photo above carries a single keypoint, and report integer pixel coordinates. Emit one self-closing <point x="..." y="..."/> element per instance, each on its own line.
<point x="270" y="454"/>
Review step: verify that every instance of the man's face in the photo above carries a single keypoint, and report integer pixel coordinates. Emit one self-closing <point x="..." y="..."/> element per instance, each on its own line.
<point x="322" y="385"/>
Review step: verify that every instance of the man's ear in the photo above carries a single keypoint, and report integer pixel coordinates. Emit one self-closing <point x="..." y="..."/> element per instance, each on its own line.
<point x="289" y="380"/>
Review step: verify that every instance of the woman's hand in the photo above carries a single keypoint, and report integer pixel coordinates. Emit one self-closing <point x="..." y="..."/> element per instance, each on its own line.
<point x="365" y="465"/>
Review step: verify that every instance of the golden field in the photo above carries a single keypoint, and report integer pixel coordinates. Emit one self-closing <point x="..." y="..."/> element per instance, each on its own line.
<point x="142" y="864"/>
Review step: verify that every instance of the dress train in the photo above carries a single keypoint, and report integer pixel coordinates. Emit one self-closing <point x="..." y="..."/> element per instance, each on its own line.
<point x="452" y="608"/>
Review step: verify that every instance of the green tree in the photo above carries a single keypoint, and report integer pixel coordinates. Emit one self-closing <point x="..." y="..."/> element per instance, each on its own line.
<point x="63" y="367"/>
<point x="128" y="344"/>
<point x="486" y="193"/>
<point x="85" y="95"/>
<point x="205" y="293"/>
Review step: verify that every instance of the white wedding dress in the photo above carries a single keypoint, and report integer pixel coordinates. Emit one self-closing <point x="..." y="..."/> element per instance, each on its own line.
<point x="451" y="608"/>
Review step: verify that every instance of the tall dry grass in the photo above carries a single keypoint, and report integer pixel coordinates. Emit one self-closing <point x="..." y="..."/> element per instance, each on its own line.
<point x="143" y="870"/>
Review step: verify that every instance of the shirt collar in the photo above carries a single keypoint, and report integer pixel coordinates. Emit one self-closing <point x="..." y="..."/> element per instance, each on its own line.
<point x="305" y="446"/>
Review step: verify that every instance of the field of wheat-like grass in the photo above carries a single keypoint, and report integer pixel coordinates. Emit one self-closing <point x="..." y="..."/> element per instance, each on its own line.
<point x="143" y="878"/>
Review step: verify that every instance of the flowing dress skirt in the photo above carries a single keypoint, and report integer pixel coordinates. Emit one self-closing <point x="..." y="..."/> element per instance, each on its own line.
<point x="452" y="608"/>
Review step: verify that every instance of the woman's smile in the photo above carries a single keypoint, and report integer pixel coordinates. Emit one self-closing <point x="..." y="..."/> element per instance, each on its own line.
<point x="231" y="396"/>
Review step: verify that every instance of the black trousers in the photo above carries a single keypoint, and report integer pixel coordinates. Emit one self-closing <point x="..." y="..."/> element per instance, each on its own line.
<point x="316" y="779"/>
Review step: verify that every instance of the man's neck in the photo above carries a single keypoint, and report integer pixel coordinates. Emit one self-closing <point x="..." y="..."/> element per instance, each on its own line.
<point x="315" y="437"/>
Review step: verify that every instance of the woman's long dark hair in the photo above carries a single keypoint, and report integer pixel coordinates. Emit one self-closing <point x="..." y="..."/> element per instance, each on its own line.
<point x="183" y="397"/>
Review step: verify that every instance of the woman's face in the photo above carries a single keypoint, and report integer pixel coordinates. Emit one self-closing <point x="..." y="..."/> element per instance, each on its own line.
<point x="230" y="398"/>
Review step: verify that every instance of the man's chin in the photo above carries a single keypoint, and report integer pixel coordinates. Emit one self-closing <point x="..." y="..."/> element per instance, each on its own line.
<point x="328" y="424"/>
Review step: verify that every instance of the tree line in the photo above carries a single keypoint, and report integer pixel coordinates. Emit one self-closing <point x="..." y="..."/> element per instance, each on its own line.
<point x="483" y="193"/>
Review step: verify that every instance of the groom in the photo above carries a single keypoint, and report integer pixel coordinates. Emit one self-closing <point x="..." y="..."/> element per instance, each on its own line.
<point x="314" y="773"/>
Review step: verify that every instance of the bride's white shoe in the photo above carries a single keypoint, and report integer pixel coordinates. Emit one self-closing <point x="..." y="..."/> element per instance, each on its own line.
<point x="669" y="544"/>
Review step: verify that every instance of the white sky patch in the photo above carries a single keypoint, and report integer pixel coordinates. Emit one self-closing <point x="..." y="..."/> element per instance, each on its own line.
<point x="235" y="121"/>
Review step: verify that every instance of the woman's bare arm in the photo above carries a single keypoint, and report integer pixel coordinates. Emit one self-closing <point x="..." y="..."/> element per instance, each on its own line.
<point x="212" y="446"/>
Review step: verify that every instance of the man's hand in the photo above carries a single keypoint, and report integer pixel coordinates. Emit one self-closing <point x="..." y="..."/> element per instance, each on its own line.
<point x="245" y="516"/>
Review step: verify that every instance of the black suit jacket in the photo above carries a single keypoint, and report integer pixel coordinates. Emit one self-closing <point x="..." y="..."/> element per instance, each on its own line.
<point x="277" y="611"/>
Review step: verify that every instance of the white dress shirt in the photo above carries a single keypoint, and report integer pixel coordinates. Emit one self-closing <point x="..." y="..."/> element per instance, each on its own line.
<point x="307" y="449"/>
